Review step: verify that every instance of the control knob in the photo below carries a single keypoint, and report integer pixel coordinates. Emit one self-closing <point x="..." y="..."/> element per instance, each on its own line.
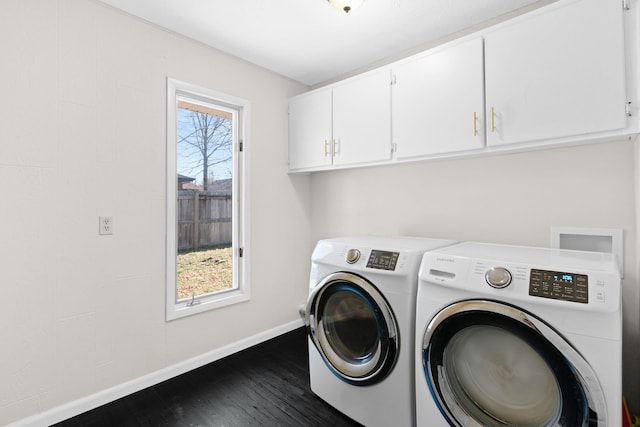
<point x="353" y="255"/>
<point x="498" y="277"/>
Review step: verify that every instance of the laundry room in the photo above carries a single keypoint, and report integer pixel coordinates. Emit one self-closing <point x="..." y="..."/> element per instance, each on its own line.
<point x="93" y="96"/>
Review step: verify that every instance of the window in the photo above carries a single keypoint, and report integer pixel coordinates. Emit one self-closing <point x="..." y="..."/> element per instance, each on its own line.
<point x="207" y="225"/>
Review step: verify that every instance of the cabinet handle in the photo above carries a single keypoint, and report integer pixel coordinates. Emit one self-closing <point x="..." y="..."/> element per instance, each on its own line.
<point x="493" y="119"/>
<point x="335" y="147"/>
<point x="475" y="124"/>
<point x="326" y="148"/>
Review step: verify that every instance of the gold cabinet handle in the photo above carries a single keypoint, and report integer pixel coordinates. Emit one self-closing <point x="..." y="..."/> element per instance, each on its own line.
<point x="493" y="119"/>
<point x="326" y="148"/>
<point x="475" y="124"/>
<point x="336" y="142"/>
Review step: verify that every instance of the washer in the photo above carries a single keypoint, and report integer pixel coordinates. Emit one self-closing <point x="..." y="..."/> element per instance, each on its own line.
<point x="361" y="322"/>
<point x="510" y="335"/>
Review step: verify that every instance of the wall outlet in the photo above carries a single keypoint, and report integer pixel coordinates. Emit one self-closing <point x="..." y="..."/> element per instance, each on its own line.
<point x="106" y="225"/>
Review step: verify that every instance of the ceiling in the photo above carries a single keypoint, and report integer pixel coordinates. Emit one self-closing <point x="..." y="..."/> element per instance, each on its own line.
<point x="311" y="42"/>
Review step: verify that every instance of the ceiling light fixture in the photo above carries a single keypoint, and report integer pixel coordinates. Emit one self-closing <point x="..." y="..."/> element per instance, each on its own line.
<point x="346" y="5"/>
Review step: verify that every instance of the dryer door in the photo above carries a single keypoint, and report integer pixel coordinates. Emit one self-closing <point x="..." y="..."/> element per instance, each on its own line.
<point x="491" y="364"/>
<point x="353" y="328"/>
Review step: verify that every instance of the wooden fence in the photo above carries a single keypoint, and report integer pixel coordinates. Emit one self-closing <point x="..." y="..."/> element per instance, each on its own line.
<point x="203" y="219"/>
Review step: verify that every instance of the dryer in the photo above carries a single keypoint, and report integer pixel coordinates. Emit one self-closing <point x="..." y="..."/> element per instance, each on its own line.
<point x="360" y="316"/>
<point x="510" y="335"/>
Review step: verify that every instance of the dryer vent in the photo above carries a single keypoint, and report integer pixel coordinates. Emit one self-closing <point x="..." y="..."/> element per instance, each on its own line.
<point x="302" y="310"/>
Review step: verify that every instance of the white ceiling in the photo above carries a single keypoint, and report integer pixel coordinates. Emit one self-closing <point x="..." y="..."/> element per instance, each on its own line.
<point x="310" y="41"/>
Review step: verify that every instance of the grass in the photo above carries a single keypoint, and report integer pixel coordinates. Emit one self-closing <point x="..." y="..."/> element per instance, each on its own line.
<point x="204" y="271"/>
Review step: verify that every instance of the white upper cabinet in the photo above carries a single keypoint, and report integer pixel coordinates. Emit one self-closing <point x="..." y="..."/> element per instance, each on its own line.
<point x="345" y="124"/>
<point x="438" y="101"/>
<point x="310" y="130"/>
<point x="560" y="74"/>
<point x="362" y="119"/>
<point x="556" y="73"/>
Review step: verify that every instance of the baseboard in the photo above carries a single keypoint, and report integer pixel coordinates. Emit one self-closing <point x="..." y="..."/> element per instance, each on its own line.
<point x="87" y="403"/>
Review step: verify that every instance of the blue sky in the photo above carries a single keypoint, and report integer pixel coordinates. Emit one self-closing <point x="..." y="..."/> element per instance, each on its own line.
<point x="187" y="158"/>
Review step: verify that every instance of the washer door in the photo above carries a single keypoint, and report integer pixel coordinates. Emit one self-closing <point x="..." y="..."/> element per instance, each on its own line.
<point x="491" y="364"/>
<point x="353" y="328"/>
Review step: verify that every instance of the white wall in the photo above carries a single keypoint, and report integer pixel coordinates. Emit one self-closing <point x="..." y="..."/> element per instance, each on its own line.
<point x="82" y="134"/>
<point x="513" y="199"/>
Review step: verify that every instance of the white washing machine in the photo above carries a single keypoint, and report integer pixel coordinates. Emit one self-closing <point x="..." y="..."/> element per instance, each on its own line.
<point x="517" y="336"/>
<point x="361" y="321"/>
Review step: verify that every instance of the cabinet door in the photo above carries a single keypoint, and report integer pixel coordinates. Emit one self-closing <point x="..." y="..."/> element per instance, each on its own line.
<point x="557" y="73"/>
<point x="310" y="130"/>
<point x="438" y="102"/>
<point x="362" y="119"/>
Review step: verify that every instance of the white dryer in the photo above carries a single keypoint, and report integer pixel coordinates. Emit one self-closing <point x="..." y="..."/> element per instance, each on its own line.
<point x="361" y="321"/>
<point x="510" y="335"/>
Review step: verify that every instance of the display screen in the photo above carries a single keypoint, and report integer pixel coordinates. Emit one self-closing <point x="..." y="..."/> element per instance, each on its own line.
<point x="558" y="285"/>
<point x="383" y="260"/>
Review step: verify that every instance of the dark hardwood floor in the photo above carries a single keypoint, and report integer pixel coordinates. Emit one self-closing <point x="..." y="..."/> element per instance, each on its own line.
<point x="266" y="385"/>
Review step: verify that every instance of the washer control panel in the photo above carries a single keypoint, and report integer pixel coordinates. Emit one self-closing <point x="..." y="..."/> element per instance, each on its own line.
<point x="383" y="260"/>
<point x="559" y="285"/>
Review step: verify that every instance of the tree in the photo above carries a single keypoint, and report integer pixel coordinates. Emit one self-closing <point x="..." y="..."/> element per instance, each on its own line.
<point x="204" y="141"/>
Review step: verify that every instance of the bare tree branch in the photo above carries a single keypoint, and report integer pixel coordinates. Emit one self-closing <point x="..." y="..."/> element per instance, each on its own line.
<point x="205" y="141"/>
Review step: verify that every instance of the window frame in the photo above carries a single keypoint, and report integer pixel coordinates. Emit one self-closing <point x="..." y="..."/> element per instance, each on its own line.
<point x="241" y="290"/>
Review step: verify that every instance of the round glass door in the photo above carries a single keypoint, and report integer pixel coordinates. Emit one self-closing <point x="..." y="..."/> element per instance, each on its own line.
<point x="491" y="364"/>
<point x="353" y="328"/>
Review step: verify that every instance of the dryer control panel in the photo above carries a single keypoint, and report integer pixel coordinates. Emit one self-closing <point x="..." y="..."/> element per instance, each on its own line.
<point x="559" y="285"/>
<point x="383" y="260"/>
